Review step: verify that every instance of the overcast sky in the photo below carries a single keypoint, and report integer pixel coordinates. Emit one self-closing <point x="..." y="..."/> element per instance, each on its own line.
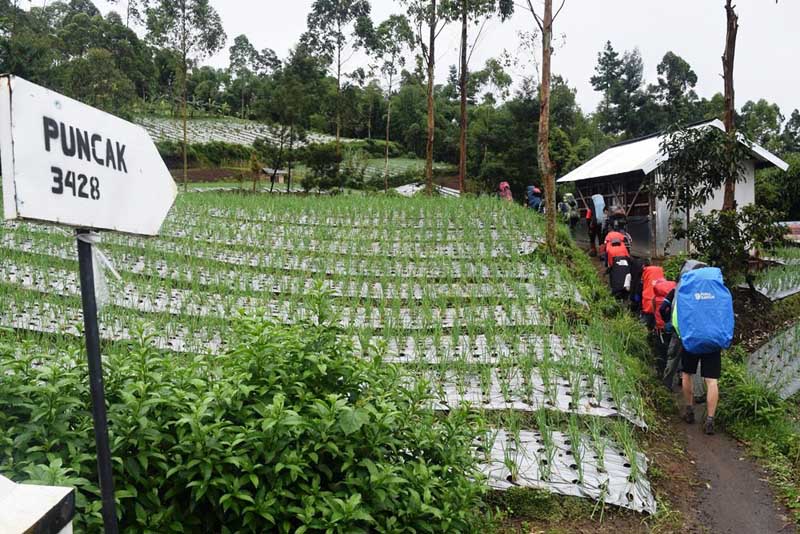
<point x="767" y="61"/>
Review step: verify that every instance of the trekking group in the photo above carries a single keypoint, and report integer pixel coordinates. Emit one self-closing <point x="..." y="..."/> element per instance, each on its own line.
<point x="691" y="319"/>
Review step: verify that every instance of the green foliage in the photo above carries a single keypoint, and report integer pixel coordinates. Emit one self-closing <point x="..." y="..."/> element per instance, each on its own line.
<point x="672" y="266"/>
<point x="288" y="432"/>
<point x="323" y="161"/>
<point x="697" y="163"/>
<point x="724" y="238"/>
<point x="746" y="399"/>
<point x="213" y="154"/>
<point x="780" y="191"/>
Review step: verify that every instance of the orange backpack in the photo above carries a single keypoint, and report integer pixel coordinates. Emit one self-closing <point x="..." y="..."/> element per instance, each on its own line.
<point x="650" y="276"/>
<point x="661" y="288"/>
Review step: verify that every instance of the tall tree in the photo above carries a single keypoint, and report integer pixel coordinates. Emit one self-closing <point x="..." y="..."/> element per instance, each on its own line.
<point x="333" y="29"/>
<point x="791" y="133"/>
<point x="472" y="11"/>
<point x="388" y="45"/>
<point x="134" y="10"/>
<point x="761" y="122"/>
<point x="728" y="60"/>
<point x="545" y="23"/>
<point x="193" y="29"/>
<point x="431" y="17"/>
<point x="675" y="89"/>
<point x="608" y="72"/>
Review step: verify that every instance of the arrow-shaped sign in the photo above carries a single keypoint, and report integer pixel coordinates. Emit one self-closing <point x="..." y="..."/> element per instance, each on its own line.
<point x="69" y="163"/>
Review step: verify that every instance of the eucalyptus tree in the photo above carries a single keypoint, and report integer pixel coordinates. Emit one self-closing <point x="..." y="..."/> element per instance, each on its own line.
<point x="545" y="23"/>
<point x="246" y="63"/>
<point x="472" y="11"/>
<point x="134" y="10"/>
<point x="193" y="30"/>
<point x="430" y="17"/>
<point x="388" y="45"/>
<point x="334" y="28"/>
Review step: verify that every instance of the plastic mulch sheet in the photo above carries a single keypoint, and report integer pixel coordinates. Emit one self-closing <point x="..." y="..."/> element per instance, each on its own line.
<point x="618" y="483"/>
<point x="777" y="362"/>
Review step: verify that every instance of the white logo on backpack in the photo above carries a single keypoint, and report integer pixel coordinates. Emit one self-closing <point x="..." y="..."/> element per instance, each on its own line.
<point x="704" y="296"/>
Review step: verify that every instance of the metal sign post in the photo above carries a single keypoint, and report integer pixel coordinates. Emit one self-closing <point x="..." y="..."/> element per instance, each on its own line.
<point x="92" y="331"/>
<point x="68" y="163"/>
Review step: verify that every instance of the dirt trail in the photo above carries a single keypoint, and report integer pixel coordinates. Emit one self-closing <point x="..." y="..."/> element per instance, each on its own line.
<point x="734" y="496"/>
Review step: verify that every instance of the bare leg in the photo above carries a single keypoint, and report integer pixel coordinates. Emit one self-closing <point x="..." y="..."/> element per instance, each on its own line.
<point x="712" y="397"/>
<point x="687" y="389"/>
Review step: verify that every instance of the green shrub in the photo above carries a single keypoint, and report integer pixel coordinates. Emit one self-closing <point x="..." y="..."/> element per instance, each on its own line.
<point x="672" y="266"/>
<point x="288" y="432"/>
<point x="745" y="399"/>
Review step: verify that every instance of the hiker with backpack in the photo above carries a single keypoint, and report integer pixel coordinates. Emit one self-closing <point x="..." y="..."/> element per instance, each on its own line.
<point x="568" y="208"/>
<point x="534" y="198"/>
<point x="663" y="306"/>
<point x="505" y="192"/>
<point x="702" y="317"/>
<point x="595" y="217"/>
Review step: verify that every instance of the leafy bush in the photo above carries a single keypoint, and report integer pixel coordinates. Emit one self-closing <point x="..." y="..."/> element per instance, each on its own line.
<point x="214" y="154"/>
<point x="724" y="238"/>
<point x="323" y="163"/>
<point x="672" y="266"/>
<point x="745" y="398"/>
<point x="288" y="432"/>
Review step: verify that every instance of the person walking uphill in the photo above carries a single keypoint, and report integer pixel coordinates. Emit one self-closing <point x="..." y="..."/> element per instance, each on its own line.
<point x="702" y="316"/>
<point x="505" y="192"/>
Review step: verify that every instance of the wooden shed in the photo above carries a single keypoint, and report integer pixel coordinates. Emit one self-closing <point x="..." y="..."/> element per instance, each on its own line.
<point x="624" y="174"/>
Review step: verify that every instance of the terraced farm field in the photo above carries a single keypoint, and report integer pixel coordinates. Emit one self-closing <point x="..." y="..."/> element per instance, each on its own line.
<point x="227" y="130"/>
<point x="457" y="294"/>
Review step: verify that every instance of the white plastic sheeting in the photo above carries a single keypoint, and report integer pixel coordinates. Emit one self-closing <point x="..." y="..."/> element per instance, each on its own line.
<point x="510" y="390"/>
<point x="777" y="362"/>
<point x="615" y="484"/>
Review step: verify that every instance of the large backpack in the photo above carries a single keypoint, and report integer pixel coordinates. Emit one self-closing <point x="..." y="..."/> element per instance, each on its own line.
<point x="597" y="213"/>
<point x="660" y="289"/>
<point x="616" y="249"/>
<point x="650" y="275"/>
<point x="620" y="276"/>
<point x="702" y="313"/>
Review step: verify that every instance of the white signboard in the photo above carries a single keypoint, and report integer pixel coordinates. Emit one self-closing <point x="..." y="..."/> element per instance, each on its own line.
<point x="69" y="163"/>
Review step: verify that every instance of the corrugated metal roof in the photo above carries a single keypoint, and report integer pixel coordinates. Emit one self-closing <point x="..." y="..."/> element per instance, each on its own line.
<point x="645" y="155"/>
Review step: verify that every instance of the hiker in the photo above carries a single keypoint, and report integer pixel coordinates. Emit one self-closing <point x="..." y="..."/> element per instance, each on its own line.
<point x="568" y="208"/>
<point x="650" y="275"/>
<point x="702" y="316"/>
<point x="672" y="367"/>
<point x="505" y="192"/>
<point x="616" y="220"/>
<point x="534" y="195"/>
<point x="595" y="216"/>
<point x="619" y="266"/>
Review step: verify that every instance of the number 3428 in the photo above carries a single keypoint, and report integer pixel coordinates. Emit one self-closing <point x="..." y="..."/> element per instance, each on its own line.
<point x="81" y="186"/>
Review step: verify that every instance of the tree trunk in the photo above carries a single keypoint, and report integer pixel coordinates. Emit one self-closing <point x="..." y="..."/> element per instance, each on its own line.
<point x="729" y="202"/>
<point x="388" y="123"/>
<point x="338" y="94"/>
<point x="289" y="160"/>
<point x="185" y="133"/>
<point x="431" y="124"/>
<point x="545" y="166"/>
<point x="462" y="160"/>
<point x="185" y="71"/>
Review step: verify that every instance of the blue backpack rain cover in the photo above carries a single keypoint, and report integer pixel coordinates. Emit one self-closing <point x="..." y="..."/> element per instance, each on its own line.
<point x="704" y="309"/>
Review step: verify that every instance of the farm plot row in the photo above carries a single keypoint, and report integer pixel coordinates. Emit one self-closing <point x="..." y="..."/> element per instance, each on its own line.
<point x="228" y="130"/>
<point x="777" y="362"/>
<point x="494" y="334"/>
<point x="310" y="263"/>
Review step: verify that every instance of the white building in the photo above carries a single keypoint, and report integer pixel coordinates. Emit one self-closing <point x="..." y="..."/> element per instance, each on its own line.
<point x="623" y="175"/>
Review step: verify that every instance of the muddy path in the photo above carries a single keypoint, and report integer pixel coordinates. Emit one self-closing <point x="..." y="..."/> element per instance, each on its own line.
<point x="726" y="491"/>
<point x="732" y="494"/>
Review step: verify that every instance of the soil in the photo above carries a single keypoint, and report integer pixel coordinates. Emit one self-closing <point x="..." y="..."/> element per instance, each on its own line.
<point x="735" y="496"/>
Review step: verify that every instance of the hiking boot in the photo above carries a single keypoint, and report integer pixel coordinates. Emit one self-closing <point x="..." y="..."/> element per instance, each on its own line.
<point x="700" y="400"/>
<point x="688" y="416"/>
<point x="709" y="426"/>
